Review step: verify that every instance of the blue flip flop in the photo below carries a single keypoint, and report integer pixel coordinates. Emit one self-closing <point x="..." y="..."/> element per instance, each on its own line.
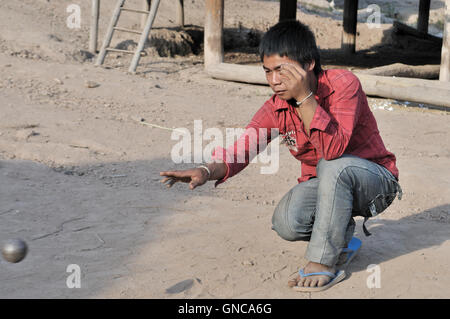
<point x="335" y="278"/>
<point x="352" y="249"/>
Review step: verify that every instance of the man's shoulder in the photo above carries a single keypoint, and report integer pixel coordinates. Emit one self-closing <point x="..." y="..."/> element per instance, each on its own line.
<point x="340" y="75"/>
<point x="342" y="82"/>
<point x="266" y="115"/>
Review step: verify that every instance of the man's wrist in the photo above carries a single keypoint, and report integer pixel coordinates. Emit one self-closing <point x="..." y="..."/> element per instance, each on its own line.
<point x="206" y="168"/>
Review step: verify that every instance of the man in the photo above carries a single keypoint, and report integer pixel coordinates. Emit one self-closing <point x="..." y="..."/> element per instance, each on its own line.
<point x="346" y="171"/>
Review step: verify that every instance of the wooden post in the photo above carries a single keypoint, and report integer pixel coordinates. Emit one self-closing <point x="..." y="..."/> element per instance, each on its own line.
<point x="146" y="4"/>
<point x="288" y="10"/>
<point x="444" y="74"/>
<point x="180" y="12"/>
<point x="213" y="34"/>
<point x="348" y="43"/>
<point x="424" y="15"/>
<point x="93" y="37"/>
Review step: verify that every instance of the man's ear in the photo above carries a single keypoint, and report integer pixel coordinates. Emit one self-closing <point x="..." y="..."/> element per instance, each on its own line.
<point x="310" y="66"/>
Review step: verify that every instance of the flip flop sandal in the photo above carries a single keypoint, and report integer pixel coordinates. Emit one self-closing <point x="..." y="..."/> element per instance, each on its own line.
<point x="335" y="278"/>
<point x="352" y="250"/>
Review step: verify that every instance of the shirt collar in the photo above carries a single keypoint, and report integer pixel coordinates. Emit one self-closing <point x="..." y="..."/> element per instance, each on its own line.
<point x="324" y="90"/>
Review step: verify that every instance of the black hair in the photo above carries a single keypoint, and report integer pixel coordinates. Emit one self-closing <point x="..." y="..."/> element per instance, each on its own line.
<point x="293" y="39"/>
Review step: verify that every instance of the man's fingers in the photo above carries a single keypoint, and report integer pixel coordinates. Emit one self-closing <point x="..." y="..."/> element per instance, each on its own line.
<point x="169" y="179"/>
<point x="185" y="176"/>
<point x="169" y="173"/>
<point x="193" y="185"/>
<point x="285" y="72"/>
<point x="165" y="180"/>
<point x="173" y="177"/>
<point x="176" y="174"/>
<point x="165" y="173"/>
<point x="285" y="79"/>
<point x="295" y="70"/>
<point x="171" y="182"/>
<point x="196" y="181"/>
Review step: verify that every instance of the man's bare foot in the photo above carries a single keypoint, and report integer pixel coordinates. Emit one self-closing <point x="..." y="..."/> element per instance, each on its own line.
<point x="315" y="280"/>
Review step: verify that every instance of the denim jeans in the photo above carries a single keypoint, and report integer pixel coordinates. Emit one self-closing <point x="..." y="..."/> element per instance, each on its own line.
<point x="321" y="210"/>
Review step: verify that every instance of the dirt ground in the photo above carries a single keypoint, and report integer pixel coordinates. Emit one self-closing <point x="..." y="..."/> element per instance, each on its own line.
<point x="79" y="176"/>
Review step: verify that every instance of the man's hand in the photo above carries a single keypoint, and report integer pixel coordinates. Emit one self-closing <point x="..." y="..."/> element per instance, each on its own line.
<point x="195" y="177"/>
<point x="295" y="80"/>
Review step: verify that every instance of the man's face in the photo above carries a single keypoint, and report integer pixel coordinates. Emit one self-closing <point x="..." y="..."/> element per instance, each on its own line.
<point x="272" y="66"/>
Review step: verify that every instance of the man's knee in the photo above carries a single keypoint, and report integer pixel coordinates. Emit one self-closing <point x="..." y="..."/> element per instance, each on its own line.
<point x="282" y="223"/>
<point x="334" y="167"/>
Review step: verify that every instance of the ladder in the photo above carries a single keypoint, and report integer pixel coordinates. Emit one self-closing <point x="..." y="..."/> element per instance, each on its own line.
<point x="113" y="27"/>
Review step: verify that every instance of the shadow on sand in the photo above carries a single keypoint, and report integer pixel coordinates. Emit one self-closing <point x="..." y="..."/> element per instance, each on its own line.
<point x="394" y="238"/>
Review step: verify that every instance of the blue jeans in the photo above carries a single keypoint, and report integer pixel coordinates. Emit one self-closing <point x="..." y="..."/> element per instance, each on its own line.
<point x="321" y="210"/>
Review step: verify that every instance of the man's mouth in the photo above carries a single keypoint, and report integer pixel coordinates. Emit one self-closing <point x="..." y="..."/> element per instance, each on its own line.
<point x="280" y="91"/>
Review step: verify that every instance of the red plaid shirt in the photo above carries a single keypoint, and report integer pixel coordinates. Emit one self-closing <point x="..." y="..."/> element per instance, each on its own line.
<point x="342" y="123"/>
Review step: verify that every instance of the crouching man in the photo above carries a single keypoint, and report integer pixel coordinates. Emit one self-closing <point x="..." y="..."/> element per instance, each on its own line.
<point x="346" y="171"/>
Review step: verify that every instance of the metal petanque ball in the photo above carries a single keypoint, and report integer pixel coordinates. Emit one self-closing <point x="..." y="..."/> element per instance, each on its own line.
<point x="14" y="250"/>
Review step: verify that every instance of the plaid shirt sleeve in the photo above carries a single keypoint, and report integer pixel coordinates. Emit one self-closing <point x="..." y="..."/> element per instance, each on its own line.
<point x="257" y="135"/>
<point x="330" y="132"/>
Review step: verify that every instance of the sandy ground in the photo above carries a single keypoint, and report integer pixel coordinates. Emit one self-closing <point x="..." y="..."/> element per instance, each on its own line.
<point x="79" y="177"/>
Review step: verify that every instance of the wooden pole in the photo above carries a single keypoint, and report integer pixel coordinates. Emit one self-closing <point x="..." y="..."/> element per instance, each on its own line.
<point x="407" y="89"/>
<point x="424" y="15"/>
<point x="180" y="12"/>
<point x="348" y="43"/>
<point x="288" y="10"/>
<point x="93" y="37"/>
<point x="146" y="4"/>
<point x="428" y="71"/>
<point x="213" y="34"/>
<point x="144" y="36"/>
<point x="238" y="73"/>
<point x="444" y="74"/>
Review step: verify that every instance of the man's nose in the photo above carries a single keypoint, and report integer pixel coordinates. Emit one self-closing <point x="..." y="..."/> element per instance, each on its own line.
<point x="275" y="78"/>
